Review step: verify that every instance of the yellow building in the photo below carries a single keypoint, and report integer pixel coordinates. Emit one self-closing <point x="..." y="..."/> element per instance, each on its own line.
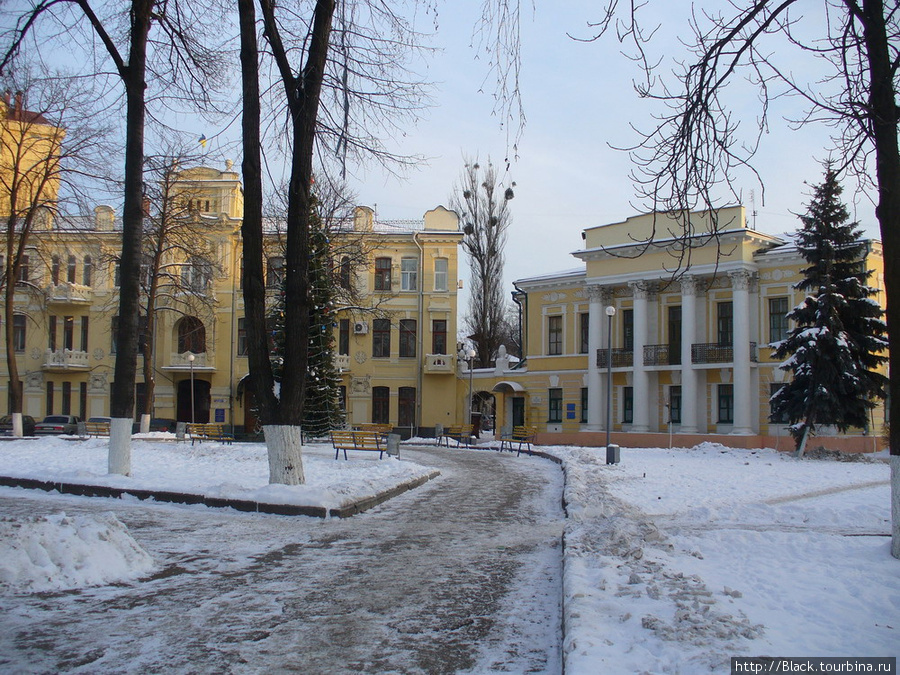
<point x="687" y="351"/>
<point x="394" y="347"/>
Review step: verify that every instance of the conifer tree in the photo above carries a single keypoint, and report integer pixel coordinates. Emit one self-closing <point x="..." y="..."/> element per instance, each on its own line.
<point x="835" y="348"/>
<point x="321" y="410"/>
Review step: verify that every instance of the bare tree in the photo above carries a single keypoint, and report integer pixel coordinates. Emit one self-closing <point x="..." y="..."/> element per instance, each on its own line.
<point x="482" y="202"/>
<point x="175" y="57"/>
<point x="48" y="138"/>
<point x="695" y="146"/>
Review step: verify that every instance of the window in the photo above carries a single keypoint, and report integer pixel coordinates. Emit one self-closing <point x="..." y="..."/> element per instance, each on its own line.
<point x="554" y="335"/>
<point x="117" y="275"/>
<point x="628" y="329"/>
<point x="66" y="398"/>
<point x="406" y="407"/>
<point x="69" y="332"/>
<point x="25" y="270"/>
<point x="778" y="321"/>
<point x="344" y="279"/>
<point x="71" y="269"/>
<point x="19" y="332"/>
<point x="725" y="395"/>
<point x="675" y="335"/>
<point x="584" y="404"/>
<point x="87" y="270"/>
<point x="584" y="329"/>
<point x="382" y="274"/>
<point x="49" y="398"/>
<point x="191" y="336"/>
<point x="196" y="274"/>
<point x="408" y="338"/>
<point x="675" y="404"/>
<point x="242" y="349"/>
<point x="113" y="334"/>
<point x="381" y="405"/>
<point x="342" y="397"/>
<point x="441" y="273"/>
<point x="275" y="272"/>
<point x="82" y="400"/>
<point x="439" y="336"/>
<point x="381" y="337"/>
<point x="782" y="417"/>
<point x="627" y="405"/>
<point x="54" y="270"/>
<point x="725" y="324"/>
<point x="51" y="333"/>
<point x="554" y="412"/>
<point x="344" y="336"/>
<point x="409" y="274"/>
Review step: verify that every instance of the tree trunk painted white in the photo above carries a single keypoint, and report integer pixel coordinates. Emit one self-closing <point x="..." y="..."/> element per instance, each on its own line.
<point x="17" y="428"/>
<point x="285" y="448"/>
<point x="802" y="447"/>
<point x="120" y="446"/>
<point x="895" y="506"/>
<point x="145" y="423"/>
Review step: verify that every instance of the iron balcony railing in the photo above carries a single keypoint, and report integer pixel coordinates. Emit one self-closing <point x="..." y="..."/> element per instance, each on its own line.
<point x="712" y="352"/>
<point x="662" y="355"/>
<point x="621" y="358"/>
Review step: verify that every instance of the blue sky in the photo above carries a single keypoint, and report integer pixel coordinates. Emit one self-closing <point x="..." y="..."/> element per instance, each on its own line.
<point x="579" y="101"/>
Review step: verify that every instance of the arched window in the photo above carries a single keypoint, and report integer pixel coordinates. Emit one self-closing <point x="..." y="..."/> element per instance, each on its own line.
<point x="86" y="270"/>
<point x="275" y="272"/>
<point x="345" y="273"/>
<point x="191" y="335"/>
<point x="70" y="269"/>
<point x="54" y="270"/>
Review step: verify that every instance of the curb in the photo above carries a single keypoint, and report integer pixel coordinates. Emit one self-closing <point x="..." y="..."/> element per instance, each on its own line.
<point x="244" y="505"/>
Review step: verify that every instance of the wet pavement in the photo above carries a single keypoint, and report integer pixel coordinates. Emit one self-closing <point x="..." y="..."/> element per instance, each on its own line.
<point x="460" y="575"/>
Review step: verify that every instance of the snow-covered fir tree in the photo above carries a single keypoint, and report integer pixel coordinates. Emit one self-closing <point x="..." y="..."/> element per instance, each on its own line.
<point x="321" y="409"/>
<point x="836" y="346"/>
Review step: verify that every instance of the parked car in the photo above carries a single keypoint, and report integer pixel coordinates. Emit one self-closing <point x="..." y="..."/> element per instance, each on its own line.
<point x="6" y="425"/>
<point x="57" y="424"/>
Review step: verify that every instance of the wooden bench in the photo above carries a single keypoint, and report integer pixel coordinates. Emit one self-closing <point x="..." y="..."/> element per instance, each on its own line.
<point x="209" y="432"/>
<point x="96" y="428"/>
<point x="372" y="441"/>
<point x="520" y="436"/>
<point x="461" y="433"/>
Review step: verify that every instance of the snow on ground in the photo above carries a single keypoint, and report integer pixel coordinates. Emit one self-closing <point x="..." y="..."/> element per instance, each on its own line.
<point x="675" y="559"/>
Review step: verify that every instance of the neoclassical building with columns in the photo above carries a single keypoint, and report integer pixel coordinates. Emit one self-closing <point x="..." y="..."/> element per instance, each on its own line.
<point x="681" y="327"/>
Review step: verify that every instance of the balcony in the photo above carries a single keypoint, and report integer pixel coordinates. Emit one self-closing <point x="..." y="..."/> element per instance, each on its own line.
<point x="342" y="363"/>
<point x="65" y="360"/>
<point x="69" y="294"/>
<point x="439" y="364"/>
<point x="621" y="358"/>
<point x="204" y="361"/>
<point x="662" y="355"/>
<point x="713" y="352"/>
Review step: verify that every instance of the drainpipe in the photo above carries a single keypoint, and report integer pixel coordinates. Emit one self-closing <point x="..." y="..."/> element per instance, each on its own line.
<point x="523" y="319"/>
<point x="421" y="336"/>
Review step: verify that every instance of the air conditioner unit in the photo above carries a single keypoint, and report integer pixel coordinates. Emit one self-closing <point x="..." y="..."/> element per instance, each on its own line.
<point x="360" y="328"/>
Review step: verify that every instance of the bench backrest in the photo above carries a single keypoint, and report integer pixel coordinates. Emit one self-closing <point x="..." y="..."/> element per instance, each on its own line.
<point x="356" y="439"/>
<point x="524" y="433"/>
<point x="459" y="430"/>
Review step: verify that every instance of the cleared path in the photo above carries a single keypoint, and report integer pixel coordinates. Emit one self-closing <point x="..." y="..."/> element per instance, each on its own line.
<point x="462" y="574"/>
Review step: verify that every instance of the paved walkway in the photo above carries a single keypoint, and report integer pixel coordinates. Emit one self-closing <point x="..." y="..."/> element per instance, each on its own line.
<point x="462" y="574"/>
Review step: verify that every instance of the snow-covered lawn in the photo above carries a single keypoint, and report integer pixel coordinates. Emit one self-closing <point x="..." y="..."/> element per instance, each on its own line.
<point x="675" y="559"/>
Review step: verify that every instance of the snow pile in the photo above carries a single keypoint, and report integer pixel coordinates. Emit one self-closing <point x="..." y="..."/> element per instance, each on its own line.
<point x="59" y="552"/>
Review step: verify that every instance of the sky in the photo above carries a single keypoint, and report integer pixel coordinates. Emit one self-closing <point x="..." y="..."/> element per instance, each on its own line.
<point x="579" y="104"/>
<point x="674" y="559"/>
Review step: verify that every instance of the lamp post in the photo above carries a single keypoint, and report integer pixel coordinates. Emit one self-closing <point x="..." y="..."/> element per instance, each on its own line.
<point x="191" y="358"/>
<point x="610" y="313"/>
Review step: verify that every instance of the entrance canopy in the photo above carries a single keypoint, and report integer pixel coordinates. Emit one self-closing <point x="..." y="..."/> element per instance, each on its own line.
<point x="507" y="387"/>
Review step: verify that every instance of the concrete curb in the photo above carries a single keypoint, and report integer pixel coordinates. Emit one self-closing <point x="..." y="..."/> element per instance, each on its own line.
<point x="248" y="506"/>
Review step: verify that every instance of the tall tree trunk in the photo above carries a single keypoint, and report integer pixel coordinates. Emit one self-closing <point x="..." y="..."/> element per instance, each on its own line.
<point x="134" y="76"/>
<point x="884" y="121"/>
<point x="15" y="386"/>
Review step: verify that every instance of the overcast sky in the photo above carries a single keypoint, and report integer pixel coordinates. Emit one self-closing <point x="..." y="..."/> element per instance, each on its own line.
<point x="579" y="101"/>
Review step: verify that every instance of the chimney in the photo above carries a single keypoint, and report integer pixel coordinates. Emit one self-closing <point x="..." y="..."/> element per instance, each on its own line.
<point x="145" y="206"/>
<point x="18" y="106"/>
<point x="6" y="96"/>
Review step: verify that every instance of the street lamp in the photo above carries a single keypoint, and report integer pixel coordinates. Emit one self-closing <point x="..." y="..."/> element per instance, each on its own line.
<point x="191" y="358"/>
<point x="610" y="313"/>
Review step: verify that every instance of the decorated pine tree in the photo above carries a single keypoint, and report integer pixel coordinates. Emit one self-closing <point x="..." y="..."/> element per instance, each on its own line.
<point x="321" y="409"/>
<point x="838" y="340"/>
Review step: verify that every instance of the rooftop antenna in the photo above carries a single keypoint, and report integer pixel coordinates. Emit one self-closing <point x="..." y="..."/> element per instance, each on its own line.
<point x="753" y="209"/>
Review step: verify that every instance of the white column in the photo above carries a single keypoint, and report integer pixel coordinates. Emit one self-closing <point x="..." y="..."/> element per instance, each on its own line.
<point x="744" y="403"/>
<point x="596" y="391"/>
<point x="641" y="380"/>
<point x="688" y="373"/>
